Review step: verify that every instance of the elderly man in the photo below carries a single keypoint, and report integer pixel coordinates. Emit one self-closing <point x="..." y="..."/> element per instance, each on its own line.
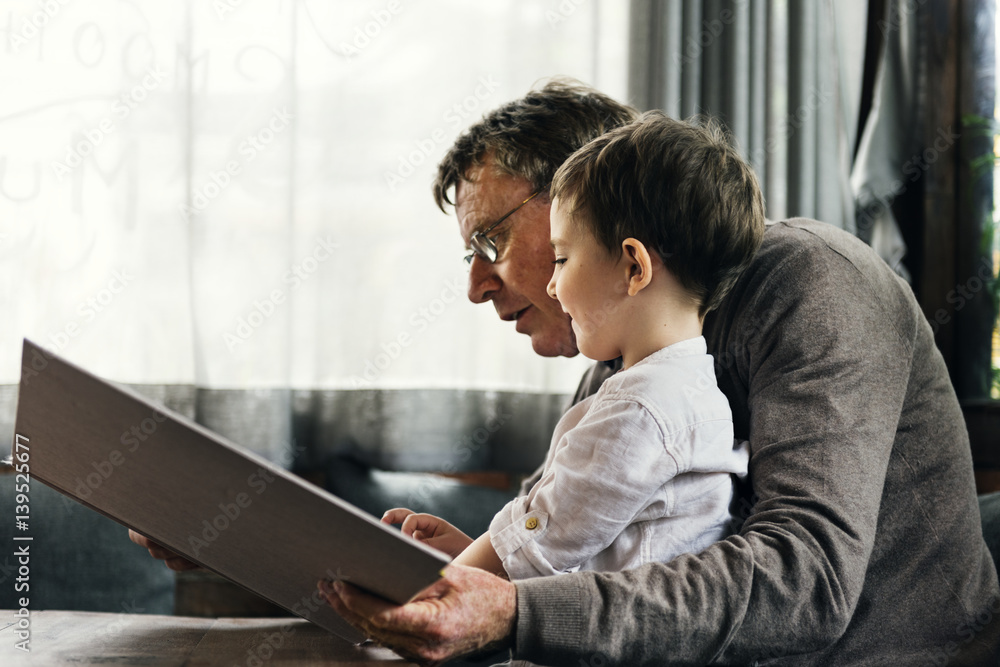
<point x="862" y="545"/>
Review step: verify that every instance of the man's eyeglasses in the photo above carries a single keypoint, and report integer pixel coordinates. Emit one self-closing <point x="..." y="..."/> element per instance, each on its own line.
<point x="483" y="245"/>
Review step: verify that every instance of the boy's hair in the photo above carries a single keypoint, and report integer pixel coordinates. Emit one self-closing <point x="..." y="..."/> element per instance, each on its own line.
<point x="530" y="137"/>
<point x="679" y="188"/>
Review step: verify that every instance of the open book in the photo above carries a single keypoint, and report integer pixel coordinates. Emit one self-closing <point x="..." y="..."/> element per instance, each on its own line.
<point x="203" y="497"/>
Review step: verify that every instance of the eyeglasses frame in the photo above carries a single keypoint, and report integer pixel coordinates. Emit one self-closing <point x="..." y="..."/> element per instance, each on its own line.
<point x="480" y="240"/>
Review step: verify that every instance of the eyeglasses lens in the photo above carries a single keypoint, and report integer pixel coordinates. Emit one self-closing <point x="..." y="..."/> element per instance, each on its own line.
<point x="483" y="246"/>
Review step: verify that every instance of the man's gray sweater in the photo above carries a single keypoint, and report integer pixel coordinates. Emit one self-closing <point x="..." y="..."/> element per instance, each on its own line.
<point x="862" y="542"/>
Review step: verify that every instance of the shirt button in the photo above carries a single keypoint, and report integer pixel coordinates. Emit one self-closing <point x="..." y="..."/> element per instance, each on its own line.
<point x="531" y="523"/>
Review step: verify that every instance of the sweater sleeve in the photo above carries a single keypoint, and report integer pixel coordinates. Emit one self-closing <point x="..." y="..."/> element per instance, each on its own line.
<point x="603" y="473"/>
<point x="826" y="350"/>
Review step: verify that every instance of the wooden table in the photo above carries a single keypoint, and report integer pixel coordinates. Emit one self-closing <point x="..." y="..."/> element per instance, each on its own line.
<point x="87" y="638"/>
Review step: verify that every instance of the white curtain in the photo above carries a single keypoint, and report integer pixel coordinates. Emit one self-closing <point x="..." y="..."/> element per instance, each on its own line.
<point x="229" y="203"/>
<point x="237" y="194"/>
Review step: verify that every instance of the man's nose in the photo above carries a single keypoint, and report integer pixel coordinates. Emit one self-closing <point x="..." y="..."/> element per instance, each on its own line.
<point x="484" y="282"/>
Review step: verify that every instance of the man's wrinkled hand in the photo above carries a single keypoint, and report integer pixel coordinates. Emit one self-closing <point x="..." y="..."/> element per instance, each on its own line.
<point x="466" y="611"/>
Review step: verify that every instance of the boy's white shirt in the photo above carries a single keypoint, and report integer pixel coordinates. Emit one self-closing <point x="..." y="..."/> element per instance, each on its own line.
<point x="639" y="472"/>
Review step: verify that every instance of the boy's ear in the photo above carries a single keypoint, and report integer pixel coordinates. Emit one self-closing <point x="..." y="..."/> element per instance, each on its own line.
<point x="639" y="265"/>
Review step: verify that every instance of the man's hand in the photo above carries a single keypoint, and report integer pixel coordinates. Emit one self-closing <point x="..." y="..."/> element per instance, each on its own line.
<point x="429" y="529"/>
<point x="465" y="611"/>
<point x="172" y="560"/>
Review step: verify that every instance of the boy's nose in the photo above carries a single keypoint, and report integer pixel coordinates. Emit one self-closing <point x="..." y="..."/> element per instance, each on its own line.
<point x="551" y="287"/>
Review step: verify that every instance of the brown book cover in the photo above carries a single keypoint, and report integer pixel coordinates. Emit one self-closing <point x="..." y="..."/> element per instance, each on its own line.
<point x="204" y="497"/>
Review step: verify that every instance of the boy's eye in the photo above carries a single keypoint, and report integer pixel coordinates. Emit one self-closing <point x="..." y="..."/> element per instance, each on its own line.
<point x="560" y="260"/>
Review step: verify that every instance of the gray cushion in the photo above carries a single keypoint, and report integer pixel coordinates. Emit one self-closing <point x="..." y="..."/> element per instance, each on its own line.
<point x="469" y="508"/>
<point x="79" y="559"/>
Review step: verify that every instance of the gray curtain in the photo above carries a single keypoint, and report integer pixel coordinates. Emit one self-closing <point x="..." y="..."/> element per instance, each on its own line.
<point x="889" y="156"/>
<point x="442" y="430"/>
<point x="783" y="75"/>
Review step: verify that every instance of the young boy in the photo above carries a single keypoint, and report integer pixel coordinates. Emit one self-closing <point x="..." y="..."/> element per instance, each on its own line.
<point x="651" y="225"/>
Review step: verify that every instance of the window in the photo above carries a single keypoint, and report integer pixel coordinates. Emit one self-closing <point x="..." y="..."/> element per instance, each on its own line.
<point x="238" y="194"/>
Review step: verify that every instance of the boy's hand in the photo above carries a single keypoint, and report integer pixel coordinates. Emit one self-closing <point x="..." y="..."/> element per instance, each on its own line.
<point x="429" y="529"/>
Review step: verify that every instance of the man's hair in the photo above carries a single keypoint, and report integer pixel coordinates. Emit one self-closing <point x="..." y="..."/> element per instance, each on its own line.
<point x="678" y="187"/>
<point x="532" y="136"/>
